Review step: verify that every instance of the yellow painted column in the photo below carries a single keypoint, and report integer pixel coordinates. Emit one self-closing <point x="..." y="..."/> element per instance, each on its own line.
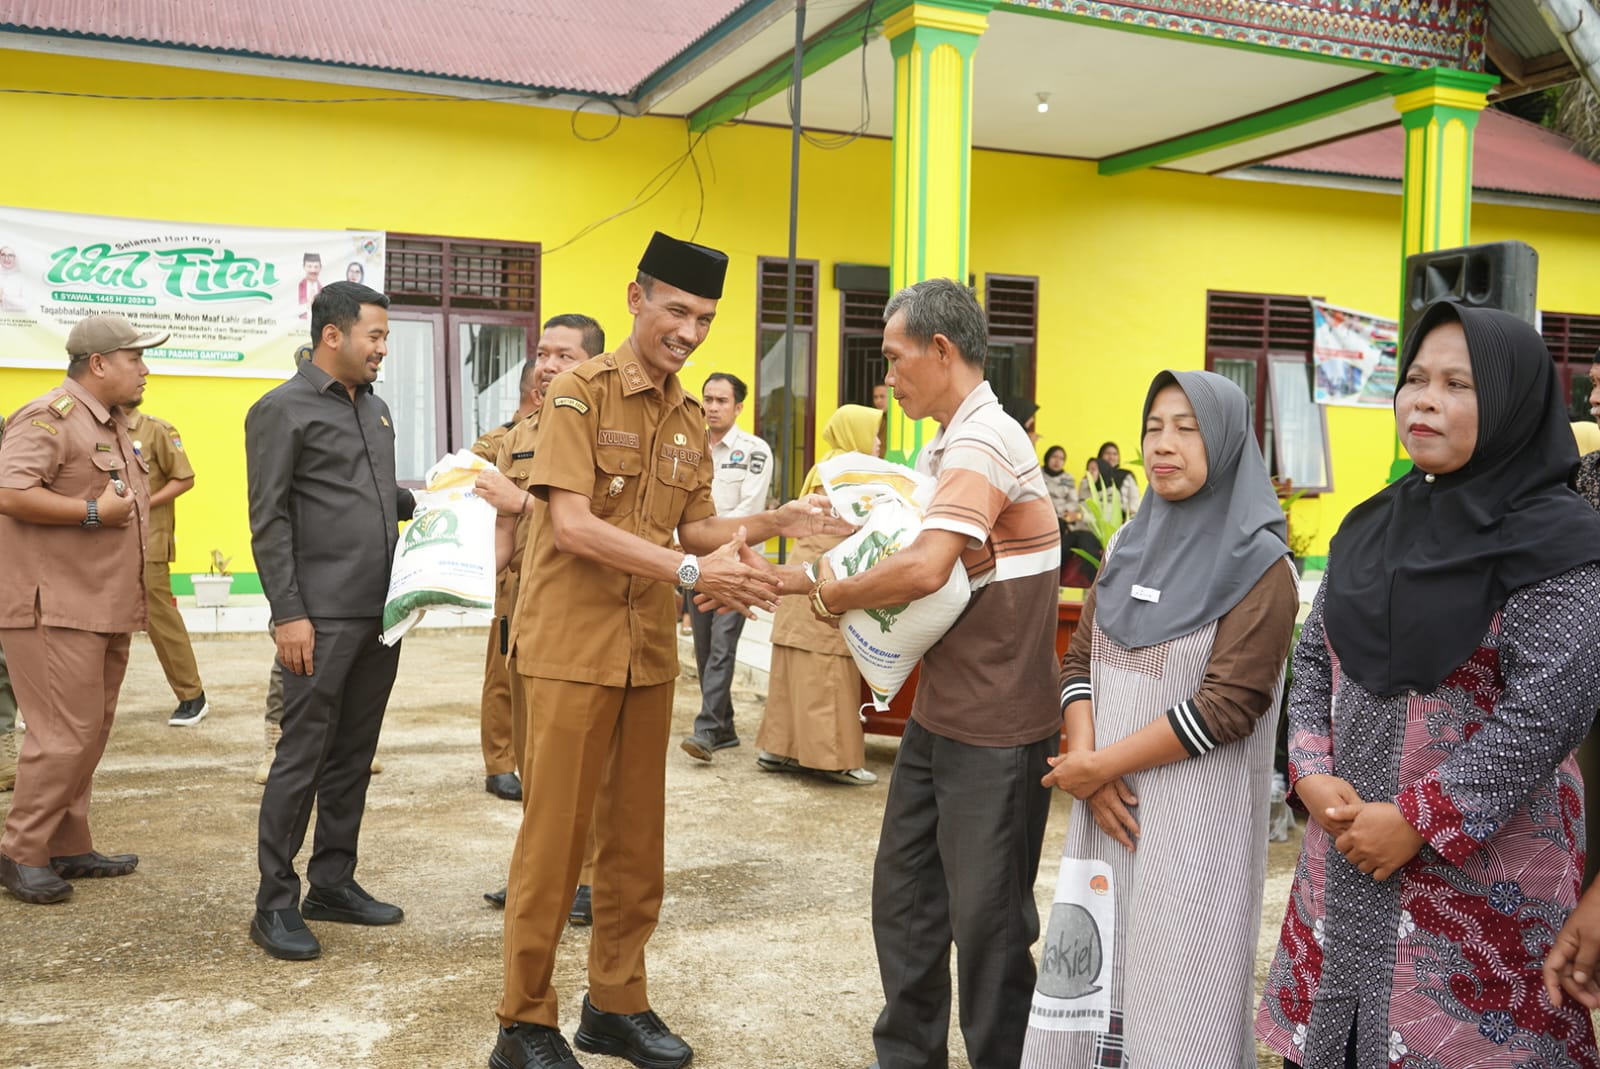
<point x="1439" y="111"/>
<point x="933" y="42"/>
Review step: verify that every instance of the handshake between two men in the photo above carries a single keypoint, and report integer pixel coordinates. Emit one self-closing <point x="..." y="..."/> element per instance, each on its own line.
<point x="728" y="572"/>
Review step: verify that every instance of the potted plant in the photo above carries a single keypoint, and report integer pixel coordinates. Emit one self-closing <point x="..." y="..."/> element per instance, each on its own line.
<point x="211" y="588"/>
<point x="1300" y="540"/>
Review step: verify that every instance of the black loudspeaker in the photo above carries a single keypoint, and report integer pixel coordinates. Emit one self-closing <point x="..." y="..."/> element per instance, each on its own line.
<point x="1503" y="274"/>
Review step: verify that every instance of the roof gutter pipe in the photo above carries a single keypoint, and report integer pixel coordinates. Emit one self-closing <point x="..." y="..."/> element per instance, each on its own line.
<point x="1576" y="25"/>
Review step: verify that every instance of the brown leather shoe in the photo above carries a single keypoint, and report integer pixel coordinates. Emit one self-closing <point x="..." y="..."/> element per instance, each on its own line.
<point x="94" y="865"/>
<point x="35" y="884"/>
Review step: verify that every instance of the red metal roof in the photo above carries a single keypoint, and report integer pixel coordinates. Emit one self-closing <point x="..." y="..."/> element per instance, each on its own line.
<point x="606" y="47"/>
<point x="1510" y="155"/>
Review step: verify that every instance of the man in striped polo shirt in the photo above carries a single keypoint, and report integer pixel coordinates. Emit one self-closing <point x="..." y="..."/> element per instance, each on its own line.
<point x="964" y="822"/>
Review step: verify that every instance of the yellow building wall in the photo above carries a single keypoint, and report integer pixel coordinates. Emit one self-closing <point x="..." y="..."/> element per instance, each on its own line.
<point x="1124" y="263"/>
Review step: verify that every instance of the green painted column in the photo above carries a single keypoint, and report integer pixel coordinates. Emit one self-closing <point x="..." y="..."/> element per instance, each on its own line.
<point x="933" y="42"/>
<point x="1439" y="111"/>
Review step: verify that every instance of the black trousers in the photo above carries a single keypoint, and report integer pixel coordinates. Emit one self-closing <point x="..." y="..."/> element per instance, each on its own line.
<point x="331" y="721"/>
<point x="962" y="830"/>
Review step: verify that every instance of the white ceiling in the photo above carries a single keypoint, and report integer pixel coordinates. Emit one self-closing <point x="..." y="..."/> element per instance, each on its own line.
<point x="1111" y="90"/>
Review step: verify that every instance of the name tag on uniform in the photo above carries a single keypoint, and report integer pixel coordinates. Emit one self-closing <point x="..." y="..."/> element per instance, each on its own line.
<point x="626" y="439"/>
<point x="1145" y="593"/>
<point x="102" y="447"/>
<point x="522" y="456"/>
<point x="675" y="452"/>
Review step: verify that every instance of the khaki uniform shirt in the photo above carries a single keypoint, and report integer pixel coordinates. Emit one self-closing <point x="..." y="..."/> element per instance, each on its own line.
<point x="159" y="443"/>
<point x="639" y="454"/>
<point x="87" y="578"/>
<point x="514" y="458"/>
<point x="488" y="443"/>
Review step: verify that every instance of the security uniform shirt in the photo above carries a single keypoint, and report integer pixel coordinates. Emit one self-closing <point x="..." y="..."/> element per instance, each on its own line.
<point x="639" y="454"/>
<point x="157" y="442"/>
<point x="324" y="506"/>
<point x="86" y="578"/>
<point x="743" y="466"/>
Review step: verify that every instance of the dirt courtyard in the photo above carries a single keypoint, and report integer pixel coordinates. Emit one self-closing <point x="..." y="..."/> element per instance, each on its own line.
<point x="763" y="958"/>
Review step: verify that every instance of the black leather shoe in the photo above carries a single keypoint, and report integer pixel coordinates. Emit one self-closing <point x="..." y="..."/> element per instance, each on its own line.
<point x="93" y="865"/>
<point x="281" y="933"/>
<point x="348" y="904"/>
<point x="504" y="785"/>
<point x="698" y="747"/>
<point x="497" y="899"/>
<point x="582" y="911"/>
<point x="532" y="1046"/>
<point x="642" y="1038"/>
<point x="35" y="884"/>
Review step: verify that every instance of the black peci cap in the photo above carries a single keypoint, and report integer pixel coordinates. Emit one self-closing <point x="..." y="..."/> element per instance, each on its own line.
<point x="692" y="268"/>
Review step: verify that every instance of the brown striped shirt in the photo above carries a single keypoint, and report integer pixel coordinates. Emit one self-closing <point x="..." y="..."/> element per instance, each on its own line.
<point x="992" y="680"/>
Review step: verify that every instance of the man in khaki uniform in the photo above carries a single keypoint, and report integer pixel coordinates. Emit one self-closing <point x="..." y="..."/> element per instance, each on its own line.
<point x="74" y="514"/>
<point x="8" y="706"/>
<point x="568" y="340"/>
<point x="494" y="708"/>
<point x="619" y="462"/>
<point x="158" y="443"/>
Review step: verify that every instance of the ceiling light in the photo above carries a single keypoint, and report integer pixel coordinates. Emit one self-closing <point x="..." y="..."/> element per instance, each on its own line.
<point x="1044" y="102"/>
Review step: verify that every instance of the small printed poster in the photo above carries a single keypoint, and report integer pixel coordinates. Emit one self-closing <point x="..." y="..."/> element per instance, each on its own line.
<point x="1354" y="354"/>
<point x="1073" y="993"/>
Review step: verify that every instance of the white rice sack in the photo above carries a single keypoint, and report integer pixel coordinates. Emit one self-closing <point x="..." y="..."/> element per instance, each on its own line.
<point x="888" y="501"/>
<point x="446" y="556"/>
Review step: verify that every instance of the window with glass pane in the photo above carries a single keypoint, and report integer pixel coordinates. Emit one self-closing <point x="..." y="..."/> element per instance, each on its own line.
<point x="786" y="368"/>
<point x="1012" y="306"/>
<point x="861" y="362"/>
<point x="408" y="384"/>
<point x="1262" y="342"/>
<point x="482" y="301"/>
<point x="1299" y="445"/>
<point x="1573" y="340"/>
<point x="489" y="360"/>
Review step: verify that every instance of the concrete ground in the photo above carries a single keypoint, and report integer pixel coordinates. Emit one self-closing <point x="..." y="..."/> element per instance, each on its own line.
<point x="763" y="958"/>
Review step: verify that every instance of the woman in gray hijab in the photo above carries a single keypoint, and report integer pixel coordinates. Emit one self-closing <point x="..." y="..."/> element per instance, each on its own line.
<point x="1170" y="691"/>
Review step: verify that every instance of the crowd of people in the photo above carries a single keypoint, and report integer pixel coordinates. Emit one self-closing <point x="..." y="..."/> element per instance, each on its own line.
<point x="1448" y="668"/>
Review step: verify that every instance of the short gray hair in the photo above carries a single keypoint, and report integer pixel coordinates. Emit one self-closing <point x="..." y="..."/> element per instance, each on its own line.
<point x="943" y="306"/>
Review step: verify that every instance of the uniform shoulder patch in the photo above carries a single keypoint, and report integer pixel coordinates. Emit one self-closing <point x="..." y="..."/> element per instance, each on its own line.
<point x="573" y="403"/>
<point x="42" y="425"/>
<point x="62" y="405"/>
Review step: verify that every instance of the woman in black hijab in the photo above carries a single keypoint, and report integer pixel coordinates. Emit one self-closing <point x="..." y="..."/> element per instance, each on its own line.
<point x="1450" y="664"/>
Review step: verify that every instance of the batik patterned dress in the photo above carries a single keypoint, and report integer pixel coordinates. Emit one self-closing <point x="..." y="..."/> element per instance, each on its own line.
<point x="1438" y="967"/>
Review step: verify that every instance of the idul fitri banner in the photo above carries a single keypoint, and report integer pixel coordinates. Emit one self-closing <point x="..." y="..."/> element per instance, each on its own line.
<point x="1354" y="354"/>
<point x="236" y="300"/>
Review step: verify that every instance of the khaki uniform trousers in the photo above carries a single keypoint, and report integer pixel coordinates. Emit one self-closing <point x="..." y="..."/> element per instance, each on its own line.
<point x="595" y="754"/>
<point x="68" y="681"/>
<point x="495" y="726"/>
<point x="519" y="741"/>
<point x="167" y="633"/>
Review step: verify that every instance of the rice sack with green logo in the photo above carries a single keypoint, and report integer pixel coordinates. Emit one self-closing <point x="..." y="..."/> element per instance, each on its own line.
<point x="446" y="555"/>
<point x="887" y="502"/>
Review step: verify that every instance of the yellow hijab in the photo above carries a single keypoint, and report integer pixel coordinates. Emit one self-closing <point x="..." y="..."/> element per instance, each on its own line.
<point x="852" y="429"/>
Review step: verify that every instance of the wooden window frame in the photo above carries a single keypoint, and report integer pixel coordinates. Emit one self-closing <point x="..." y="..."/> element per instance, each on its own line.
<point x="448" y="299"/>
<point x="771" y="316"/>
<point x="1263" y="328"/>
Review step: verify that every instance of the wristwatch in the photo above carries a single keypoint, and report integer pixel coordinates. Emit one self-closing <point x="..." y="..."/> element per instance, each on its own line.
<point x="92" y="514"/>
<point x="689" y="571"/>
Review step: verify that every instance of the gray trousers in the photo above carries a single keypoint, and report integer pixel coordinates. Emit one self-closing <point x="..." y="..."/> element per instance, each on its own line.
<point x="716" y="639"/>
<point x="331" y="721"/>
<point x="8" y="699"/>
<point x="963" y="827"/>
